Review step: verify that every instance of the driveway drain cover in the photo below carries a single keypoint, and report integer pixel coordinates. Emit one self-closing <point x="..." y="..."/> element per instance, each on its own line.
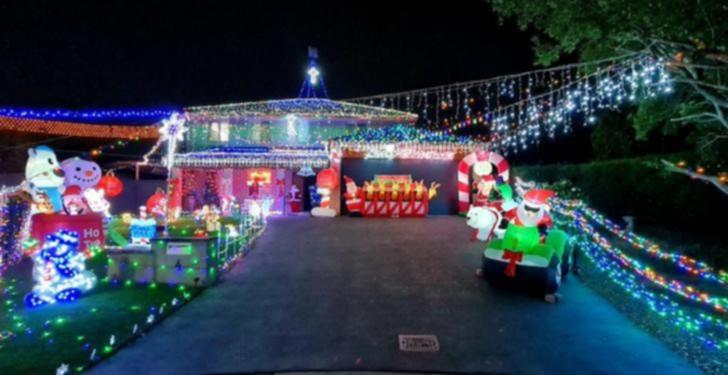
<point x="418" y="343"/>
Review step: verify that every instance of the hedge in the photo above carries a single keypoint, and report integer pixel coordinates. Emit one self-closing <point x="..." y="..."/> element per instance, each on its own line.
<point x="634" y="187"/>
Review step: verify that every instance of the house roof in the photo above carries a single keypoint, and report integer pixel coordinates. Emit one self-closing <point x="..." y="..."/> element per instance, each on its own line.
<point x="312" y="109"/>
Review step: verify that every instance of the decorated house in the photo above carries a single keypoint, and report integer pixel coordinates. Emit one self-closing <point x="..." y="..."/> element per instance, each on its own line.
<point x="266" y="155"/>
<point x="261" y="150"/>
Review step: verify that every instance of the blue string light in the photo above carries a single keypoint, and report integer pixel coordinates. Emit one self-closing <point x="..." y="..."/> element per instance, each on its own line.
<point x="93" y="115"/>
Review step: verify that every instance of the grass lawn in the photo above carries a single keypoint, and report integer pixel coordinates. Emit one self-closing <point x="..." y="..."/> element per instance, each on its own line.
<point x="47" y="336"/>
<point x="79" y="334"/>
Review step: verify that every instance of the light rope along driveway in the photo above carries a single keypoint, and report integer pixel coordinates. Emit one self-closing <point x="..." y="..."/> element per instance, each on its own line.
<point x="334" y="294"/>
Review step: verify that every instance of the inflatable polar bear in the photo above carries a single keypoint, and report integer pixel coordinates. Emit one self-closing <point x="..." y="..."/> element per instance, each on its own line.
<point x="485" y="221"/>
<point x="44" y="175"/>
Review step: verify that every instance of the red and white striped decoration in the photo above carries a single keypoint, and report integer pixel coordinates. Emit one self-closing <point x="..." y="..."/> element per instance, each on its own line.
<point x="464" y="174"/>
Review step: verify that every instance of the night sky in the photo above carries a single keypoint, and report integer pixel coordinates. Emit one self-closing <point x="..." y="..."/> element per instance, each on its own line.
<point x="122" y="54"/>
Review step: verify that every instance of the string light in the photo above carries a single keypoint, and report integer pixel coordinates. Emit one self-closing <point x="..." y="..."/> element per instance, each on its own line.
<point x="14" y="220"/>
<point x="100" y="115"/>
<point x="116" y="145"/>
<point x="59" y="270"/>
<point x="677" y="287"/>
<point x="250" y="230"/>
<point x="685" y="263"/>
<point x="707" y="329"/>
<point x="404" y="142"/>
<point x="645" y="284"/>
<point x="75" y="129"/>
<point x="330" y="111"/>
<point x="516" y="111"/>
<point x="242" y="157"/>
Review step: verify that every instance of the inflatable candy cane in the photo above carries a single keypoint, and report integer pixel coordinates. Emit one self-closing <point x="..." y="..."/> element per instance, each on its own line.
<point x="483" y="162"/>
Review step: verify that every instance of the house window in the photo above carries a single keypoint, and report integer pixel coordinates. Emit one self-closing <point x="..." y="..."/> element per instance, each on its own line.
<point x="224" y="132"/>
<point x="214" y="132"/>
<point x="219" y="132"/>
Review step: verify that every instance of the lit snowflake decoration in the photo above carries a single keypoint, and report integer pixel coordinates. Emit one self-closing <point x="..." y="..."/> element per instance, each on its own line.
<point x="173" y="128"/>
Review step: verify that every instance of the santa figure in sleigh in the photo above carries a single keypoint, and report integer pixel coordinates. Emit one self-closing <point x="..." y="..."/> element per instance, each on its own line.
<point x="531" y="253"/>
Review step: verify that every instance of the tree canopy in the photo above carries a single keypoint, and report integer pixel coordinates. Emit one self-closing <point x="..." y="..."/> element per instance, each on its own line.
<point x="689" y="34"/>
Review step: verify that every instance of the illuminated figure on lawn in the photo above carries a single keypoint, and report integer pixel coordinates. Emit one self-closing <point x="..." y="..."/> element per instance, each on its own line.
<point x="59" y="270"/>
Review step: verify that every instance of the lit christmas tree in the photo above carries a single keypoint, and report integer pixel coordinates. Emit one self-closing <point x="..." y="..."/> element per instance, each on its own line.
<point x="14" y="217"/>
<point x="59" y="270"/>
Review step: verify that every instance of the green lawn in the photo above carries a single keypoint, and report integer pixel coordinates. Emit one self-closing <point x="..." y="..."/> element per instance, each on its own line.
<point x="79" y="333"/>
<point x="47" y="336"/>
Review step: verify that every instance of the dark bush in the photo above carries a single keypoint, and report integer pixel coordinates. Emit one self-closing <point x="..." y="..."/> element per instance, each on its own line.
<point x="634" y="187"/>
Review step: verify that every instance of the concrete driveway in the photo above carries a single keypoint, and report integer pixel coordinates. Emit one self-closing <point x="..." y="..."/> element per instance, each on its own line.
<point x="334" y="294"/>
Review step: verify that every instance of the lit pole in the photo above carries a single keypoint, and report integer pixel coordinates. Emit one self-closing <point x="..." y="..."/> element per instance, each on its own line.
<point x="172" y="130"/>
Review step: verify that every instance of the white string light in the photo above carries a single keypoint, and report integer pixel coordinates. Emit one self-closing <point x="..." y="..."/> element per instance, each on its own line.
<point x="514" y="111"/>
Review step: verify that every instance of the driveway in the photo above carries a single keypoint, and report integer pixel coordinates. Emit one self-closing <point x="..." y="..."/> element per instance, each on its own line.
<point x="334" y="294"/>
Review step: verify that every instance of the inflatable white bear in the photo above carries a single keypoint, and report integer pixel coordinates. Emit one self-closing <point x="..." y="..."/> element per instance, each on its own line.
<point x="485" y="221"/>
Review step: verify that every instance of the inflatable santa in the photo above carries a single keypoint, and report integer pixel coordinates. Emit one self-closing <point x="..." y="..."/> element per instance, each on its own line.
<point x="533" y="210"/>
<point x="73" y="201"/>
<point x="531" y="254"/>
<point x="352" y="196"/>
<point x="327" y="181"/>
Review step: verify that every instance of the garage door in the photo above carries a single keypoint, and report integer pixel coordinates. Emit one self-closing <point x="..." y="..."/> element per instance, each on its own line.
<point x="441" y="171"/>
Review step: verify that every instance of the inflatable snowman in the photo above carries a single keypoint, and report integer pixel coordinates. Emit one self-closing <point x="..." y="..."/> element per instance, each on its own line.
<point x="82" y="173"/>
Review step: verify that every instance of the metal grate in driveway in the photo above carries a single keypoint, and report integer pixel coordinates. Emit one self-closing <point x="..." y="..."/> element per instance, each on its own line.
<point x="418" y="343"/>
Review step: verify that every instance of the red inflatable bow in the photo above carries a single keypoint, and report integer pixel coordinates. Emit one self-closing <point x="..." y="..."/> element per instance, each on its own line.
<point x="513" y="257"/>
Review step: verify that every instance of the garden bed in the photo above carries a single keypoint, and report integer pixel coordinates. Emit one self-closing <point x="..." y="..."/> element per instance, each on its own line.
<point x="81" y="333"/>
